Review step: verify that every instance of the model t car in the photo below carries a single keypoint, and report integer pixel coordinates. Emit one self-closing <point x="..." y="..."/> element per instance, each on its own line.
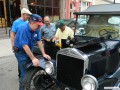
<point x="90" y="61"/>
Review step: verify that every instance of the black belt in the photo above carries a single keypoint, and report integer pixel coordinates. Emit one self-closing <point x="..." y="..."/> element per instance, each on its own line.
<point x="17" y="50"/>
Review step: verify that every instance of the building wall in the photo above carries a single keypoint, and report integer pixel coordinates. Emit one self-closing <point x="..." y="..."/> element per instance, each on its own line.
<point x="71" y="7"/>
<point x="74" y="6"/>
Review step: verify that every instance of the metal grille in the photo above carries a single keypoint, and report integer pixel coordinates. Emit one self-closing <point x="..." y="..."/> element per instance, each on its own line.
<point x="69" y="71"/>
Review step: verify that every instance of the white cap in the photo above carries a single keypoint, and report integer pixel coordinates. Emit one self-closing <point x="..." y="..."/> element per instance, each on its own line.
<point x="25" y="10"/>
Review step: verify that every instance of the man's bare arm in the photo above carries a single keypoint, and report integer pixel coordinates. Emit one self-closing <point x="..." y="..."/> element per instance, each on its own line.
<point x="12" y="36"/>
<point x="35" y="61"/>
<point x="45" y="39"/>
<point x="40" y="45"/>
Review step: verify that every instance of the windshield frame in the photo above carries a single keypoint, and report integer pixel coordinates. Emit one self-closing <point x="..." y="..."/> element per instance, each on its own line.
<point x="89" y="16"/>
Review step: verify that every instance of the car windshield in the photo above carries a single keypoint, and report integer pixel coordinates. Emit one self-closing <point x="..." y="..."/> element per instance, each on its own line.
<point x="80" y="22"/>
<point x="100" y="25"/>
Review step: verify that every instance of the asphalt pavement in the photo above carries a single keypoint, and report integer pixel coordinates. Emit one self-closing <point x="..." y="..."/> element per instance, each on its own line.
<point x="8" y="64"/>
<point x="5" y="47"/>
<point x="8" y="73"/>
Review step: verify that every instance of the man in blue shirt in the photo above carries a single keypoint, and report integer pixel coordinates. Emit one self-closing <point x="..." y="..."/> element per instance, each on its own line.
<point x="25" y="37"/>
<point x="25" y="14"/>
<point x="47" y="33"/>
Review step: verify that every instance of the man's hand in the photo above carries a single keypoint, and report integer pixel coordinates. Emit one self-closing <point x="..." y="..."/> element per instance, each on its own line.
<point x="47" y="57"/>
<point x="54" y="39"/>
<point x="35" y="62"/>
<point x="48" y="40"/>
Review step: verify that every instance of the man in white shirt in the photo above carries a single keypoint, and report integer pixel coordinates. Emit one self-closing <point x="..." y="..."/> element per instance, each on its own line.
<point x="63" y="32"/>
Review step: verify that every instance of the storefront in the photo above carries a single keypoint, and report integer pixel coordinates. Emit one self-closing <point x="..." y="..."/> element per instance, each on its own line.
<point x="45" y="7"/>
<point x="9" y="11"/>
<point x="41" y="7"/>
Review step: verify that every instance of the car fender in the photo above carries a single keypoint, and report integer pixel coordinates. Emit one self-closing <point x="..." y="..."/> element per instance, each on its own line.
<point x="116" y="74"/>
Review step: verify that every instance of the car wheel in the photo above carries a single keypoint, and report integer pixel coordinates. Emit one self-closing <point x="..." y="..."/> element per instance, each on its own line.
<point x="37" y="79"/>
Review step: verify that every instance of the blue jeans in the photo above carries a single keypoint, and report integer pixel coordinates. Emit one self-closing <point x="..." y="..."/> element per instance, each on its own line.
<point x="22" y="59"/>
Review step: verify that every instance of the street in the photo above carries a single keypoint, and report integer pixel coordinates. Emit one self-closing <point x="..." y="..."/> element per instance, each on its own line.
<point x="8" y="73"/>
<point x="8" y="65"/>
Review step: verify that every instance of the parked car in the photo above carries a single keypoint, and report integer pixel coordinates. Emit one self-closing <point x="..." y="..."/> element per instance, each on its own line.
<point x="91" y="61"/>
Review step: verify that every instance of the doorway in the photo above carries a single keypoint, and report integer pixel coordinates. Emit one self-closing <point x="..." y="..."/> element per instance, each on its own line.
<point x="15" y="9"/>
<point x="1" y="9"/>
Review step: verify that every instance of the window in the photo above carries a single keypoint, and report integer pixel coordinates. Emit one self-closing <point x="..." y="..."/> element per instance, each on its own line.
<point x="40" y="2"/>
<point x="55" y="14"/>
<point x="31" y="2"/>
<point x="45" y="7"/>
<point x="83" y="6"/>
<point x="32" y="8"/>
<point x="48" y="2"/>
<point x="55" y="3"/>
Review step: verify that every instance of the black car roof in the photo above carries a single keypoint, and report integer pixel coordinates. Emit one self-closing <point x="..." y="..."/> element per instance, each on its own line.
<point x="101" y="9"/>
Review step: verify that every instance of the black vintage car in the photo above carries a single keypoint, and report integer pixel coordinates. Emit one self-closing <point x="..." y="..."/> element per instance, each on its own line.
<point x="90" y="61"/>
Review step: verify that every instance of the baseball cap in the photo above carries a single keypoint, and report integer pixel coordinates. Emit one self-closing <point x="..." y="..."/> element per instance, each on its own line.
<point x="60" y="23"/>
<point x="25" y="10"/>
<point x="37" y="18"/>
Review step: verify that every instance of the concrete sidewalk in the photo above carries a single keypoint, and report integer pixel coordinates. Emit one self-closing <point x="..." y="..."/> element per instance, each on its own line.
<point x="4" y="33"/>
<point x="5" y="47"/>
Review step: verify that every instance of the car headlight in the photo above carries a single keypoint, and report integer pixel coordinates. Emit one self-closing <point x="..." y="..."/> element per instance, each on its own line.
<point x="49" y="68"/>
<point x="89" y="82"/>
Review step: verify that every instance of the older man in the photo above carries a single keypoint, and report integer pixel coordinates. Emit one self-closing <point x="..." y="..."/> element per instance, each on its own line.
<point x="47" y="33"/>
<point x="25" y="37"/>
<point x="63" y="32"/>
<point x="25" y="14"/>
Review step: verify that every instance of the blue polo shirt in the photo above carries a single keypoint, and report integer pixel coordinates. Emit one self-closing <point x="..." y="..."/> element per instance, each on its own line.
<point x="16" y="23"/>
<point x="25" y="36"/>
<point x="48" y="31"/>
